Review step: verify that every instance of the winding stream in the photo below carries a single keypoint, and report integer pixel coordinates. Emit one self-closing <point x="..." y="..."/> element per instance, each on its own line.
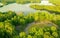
<point x="17" y="8"/>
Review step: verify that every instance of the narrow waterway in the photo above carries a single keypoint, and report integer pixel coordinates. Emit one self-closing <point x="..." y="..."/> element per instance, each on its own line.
<point x="17" y="8"/>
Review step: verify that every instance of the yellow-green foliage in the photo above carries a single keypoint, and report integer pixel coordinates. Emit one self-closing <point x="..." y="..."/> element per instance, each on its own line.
<point x="46" y="32"/>
<point x="56" y="2"/>
<point x="10" y="22"/>
<point x="52" y="9"/>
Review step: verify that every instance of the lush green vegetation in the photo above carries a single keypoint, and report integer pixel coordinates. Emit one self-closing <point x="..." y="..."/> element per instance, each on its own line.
<point x="52" y="9"/>
<point x="40" y="24"/>
<point x="12" y="24"/>
<point x="44" y="23"/>
<point x="56" y="2"/>
<point x="36" y="32"/>
<point x="19" y="1"/>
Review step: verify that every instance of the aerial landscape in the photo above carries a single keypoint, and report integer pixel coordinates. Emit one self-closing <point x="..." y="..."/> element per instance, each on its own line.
<point x="29" y="18"/>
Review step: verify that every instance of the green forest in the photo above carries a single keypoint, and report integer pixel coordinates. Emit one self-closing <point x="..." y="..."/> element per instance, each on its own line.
<point x="44" y="23"/>
<point x="57" y="2"/>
